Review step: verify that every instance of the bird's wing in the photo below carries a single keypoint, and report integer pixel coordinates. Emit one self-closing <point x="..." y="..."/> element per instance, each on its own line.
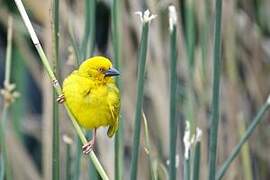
<point x="114" y="106"/>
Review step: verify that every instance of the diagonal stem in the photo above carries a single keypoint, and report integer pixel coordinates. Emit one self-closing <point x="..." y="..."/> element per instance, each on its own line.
<point x="56" y="84"/>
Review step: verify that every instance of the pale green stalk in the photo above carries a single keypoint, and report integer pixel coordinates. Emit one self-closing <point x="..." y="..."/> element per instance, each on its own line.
<point x="5" y="169"/>
<point x="56" y="84"/>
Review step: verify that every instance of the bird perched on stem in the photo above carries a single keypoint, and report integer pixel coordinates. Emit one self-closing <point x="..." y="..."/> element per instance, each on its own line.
<point x="92" y="96"/>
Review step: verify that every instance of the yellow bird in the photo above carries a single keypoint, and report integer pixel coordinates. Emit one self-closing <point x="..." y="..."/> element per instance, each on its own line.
<point x="93" y="97"/>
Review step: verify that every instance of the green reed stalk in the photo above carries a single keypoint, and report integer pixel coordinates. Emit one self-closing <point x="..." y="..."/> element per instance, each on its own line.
<point x="56" y="84"/>
<point x="190" y="33"/>
<point x="187" y="168"/>
<point x="116" y="37"/>
<point x="139" y="100"/>
<point x="190" y="49"/>
<point x="89" y="29"/>
<point x="74" y="45"/>
<point x="173" y="81"/>
<point x="77" y="161"/>
<point x="258" y="118"/>
<point x="5" y="165"/>
<point x="197" y="161"/>
<point x="68" y="144"/>
<point x="4" y="157"/>
<point x="56" y="135"/>
<point x="216" y="93"/>
<point x="68" y="162"/>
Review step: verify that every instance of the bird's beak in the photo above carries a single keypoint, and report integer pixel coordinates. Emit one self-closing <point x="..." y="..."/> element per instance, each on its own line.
<point x="112" y="72"/>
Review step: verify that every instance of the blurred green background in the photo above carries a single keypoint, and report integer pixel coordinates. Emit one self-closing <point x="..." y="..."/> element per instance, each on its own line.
<point x="245" y="83"/>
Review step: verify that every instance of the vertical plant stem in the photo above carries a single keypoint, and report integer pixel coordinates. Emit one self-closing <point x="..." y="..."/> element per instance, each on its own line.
<point x="89" y="29"/>
<point x="197" y="161"/>
<point x="5" y="168"/>
<point x="68" y="162"/>
<point x="56" y="135"/>
<point x="190" y="48"/>
<point x="92" y="173"/>
<point x="74" y="44"/>
<point x="56" y="84"/>
<point x="173" y="81"/>
<point x="190" y="33"/>
<point x="187" y="169"/>
<point x="77" y="163"/>
<point x="116" y="37"/>
<point x="258" y="118"/>
<point x="139" y="101"/>
<point x="216" y="93"/>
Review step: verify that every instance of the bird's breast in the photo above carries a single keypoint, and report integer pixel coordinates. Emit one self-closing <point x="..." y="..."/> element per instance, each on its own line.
<point x="91" y="105"/>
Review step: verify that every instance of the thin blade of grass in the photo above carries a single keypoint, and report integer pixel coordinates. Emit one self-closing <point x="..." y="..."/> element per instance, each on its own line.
<point x="173" y="82"/>
<point x="197" y="161"/>
<point x="77" y="163"/>
<point x="56" y="135"/>
<point x="139" y="100"/>
<point x="187" y="169"/>
<point x="116" y="38"/>
<point x="6" y="92"/>
<point x="87" y="45"/>
<point x="215" y="93"/>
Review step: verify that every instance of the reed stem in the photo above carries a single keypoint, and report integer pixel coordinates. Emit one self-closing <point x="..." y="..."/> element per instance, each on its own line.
<point x="139" y="101"/>
<point x="6" y="92"/>
<point x="173" y="81"/>
<point x="216" y="93"/>
<point x="197" y="161"/>
<point x="56" y="84"/>
<point x="56" y="135"/>
<point x="116" y="38"/>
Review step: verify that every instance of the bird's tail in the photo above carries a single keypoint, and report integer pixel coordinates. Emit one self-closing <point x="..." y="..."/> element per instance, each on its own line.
<point x="113" y="128"/>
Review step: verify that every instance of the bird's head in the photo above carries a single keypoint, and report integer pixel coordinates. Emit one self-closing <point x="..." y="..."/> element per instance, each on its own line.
<point x="98" y="67"/>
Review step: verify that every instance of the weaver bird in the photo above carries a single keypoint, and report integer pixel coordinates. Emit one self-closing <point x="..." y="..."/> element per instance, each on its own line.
<point x="93" y="97"/>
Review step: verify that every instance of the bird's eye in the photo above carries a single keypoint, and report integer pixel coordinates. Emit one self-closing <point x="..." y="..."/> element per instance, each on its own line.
<point x="101" y="69"/>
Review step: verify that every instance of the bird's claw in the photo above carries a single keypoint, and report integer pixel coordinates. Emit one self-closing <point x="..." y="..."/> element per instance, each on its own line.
<point x="88" y="147"/>
<point x="61" y="99"/>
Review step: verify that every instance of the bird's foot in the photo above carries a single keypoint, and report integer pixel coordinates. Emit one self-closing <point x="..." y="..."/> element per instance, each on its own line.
<point x="88" y="147"/>
<point x="61" y="99"/>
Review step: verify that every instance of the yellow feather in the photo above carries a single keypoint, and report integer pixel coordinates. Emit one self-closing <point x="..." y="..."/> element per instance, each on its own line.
<point x="92" y="97"/>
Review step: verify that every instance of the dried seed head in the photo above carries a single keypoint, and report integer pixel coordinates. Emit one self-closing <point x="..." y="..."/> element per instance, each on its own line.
<point x="9" y="94"/>
<point x="146" y="16"/>
<point x="172" y="17"/>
